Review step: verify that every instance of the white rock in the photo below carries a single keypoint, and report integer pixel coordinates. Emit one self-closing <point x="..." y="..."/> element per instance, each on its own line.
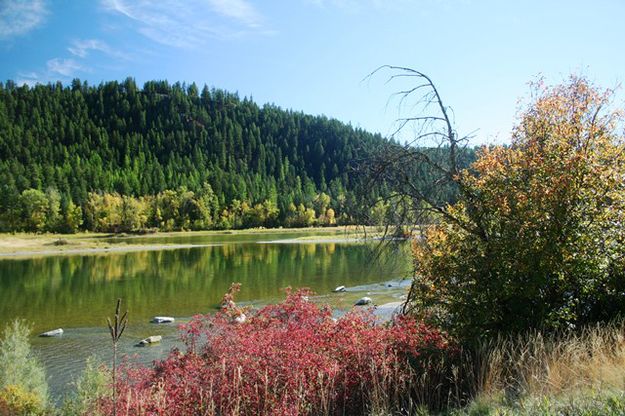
<point x="54" y="333"/>
<point x="162" y="320"/>
<point x="150" y="340"/>
<point x="340" y="289"/>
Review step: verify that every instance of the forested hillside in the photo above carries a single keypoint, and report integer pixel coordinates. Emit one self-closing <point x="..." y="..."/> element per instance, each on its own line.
<point x="117" y="157"/>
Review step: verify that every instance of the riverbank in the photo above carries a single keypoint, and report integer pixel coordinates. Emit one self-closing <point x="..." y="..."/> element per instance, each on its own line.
<point x="29" y="245"/>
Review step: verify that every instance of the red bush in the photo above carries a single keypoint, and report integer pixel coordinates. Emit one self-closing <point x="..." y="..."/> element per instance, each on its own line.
<point x="292" y="358"/>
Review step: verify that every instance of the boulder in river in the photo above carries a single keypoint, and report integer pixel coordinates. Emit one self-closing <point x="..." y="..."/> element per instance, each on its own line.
<point x="153" y="339"/>
<point x="162" y="320"/>
<point x="53" y="333"/>
<point x="363" y="301"/>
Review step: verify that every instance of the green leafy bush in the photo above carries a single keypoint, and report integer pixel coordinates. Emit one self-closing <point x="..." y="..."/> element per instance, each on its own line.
<point x="92" y="386"/>
<point x="22" y="377"/>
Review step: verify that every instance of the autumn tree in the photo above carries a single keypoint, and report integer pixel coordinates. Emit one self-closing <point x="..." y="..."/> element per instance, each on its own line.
<point x="537" y="240"/>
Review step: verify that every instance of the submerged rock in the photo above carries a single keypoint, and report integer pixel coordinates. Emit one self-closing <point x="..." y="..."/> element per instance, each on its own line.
<point x="153" y="339"/>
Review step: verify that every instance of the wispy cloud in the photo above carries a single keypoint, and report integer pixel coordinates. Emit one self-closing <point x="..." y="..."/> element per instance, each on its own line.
<point x="64" y="67"/>
<point x="82" y="47"/>
<point x="18" y="17"/>
<point x="56" y="69"/>
<point x="188" y="23"/>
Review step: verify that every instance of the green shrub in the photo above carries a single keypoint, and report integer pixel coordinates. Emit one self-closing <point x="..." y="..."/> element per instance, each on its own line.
<point x="18" y="365"/>
<point x="92" y="386"/>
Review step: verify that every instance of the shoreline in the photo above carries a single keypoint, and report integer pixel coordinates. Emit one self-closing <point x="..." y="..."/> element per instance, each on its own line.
<point x="100" y="250"/>
<point x="25" y="245"/>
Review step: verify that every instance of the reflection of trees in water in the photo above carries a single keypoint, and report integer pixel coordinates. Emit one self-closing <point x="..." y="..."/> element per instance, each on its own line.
<point x="76" y="290"/>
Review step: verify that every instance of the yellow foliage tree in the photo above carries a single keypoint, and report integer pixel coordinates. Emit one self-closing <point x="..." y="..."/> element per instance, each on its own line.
<point x="537" y="239"/>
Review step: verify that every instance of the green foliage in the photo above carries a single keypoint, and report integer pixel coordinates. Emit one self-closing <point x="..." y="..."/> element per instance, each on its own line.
<point x="300" y="216"/>
<point x="34" y="209"/>
<point x="92" y="386"/>
<point x="536" y="240"/>
<point x="21" y="373"/>
<point x="71" y="218"/>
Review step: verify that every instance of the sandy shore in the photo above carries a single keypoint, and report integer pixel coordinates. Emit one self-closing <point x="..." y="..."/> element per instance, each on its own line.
<point x="316" y="240"/>
<point x="96" y="250"/>
<point x="22" y="245"/>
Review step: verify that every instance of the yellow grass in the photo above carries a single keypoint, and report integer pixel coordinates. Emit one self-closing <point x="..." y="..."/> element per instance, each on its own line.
<point x="536" y="365"/>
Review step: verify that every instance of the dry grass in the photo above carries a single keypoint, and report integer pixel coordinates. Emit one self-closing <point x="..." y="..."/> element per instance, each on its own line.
<point x="540" y="365"/>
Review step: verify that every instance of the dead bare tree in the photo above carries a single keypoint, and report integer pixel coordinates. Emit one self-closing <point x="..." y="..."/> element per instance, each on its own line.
<point x="427" y="136"/>
<point x="423" y="162"/>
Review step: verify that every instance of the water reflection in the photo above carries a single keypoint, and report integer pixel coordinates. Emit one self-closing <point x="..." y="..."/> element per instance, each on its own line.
<point x="78" y="291"/>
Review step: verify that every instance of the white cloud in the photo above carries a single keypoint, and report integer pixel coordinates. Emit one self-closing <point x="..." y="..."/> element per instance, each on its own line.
<point x="18" y="17"/>
<point x="57" y="69"/>
<point x="189" y="23"/>
<point x="65" y="67"/>
<point x="29" y="78"/>
<point x="82" y="47"/>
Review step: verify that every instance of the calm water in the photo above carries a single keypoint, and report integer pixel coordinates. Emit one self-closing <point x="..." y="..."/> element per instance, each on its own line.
<point x="77" y="292"/>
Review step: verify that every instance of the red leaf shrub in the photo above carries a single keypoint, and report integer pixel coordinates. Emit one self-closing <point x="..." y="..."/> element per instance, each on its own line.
<point x="292" y="358"/>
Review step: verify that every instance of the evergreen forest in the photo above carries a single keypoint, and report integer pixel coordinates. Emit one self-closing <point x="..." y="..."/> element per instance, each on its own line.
<point x="117" y="157"/>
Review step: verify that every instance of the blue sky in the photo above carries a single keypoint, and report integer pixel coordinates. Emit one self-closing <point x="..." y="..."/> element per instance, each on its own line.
<point x="312" y="55"/>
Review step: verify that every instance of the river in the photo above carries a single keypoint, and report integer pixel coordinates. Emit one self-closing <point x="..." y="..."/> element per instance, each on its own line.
<point x="77" y="292"/>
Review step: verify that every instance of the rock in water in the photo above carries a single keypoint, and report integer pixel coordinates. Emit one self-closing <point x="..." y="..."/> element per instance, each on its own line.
<point x="154" y="339"/>
<point x="363" y="301"/>
<point x="162" y="320"/>
<point x="54" y="333"/>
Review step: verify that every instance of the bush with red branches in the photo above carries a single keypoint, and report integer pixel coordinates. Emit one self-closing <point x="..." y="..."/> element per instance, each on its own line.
<point x="291" y="358"/>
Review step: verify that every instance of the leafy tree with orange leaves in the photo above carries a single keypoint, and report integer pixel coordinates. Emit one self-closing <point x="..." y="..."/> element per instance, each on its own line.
<point x="537" y="239"/>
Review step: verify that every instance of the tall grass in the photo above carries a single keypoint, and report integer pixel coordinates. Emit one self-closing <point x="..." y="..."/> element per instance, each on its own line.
<point x="573" y="372"/>
<point x="536" y="364"/>
<point x="569" y="372"/>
